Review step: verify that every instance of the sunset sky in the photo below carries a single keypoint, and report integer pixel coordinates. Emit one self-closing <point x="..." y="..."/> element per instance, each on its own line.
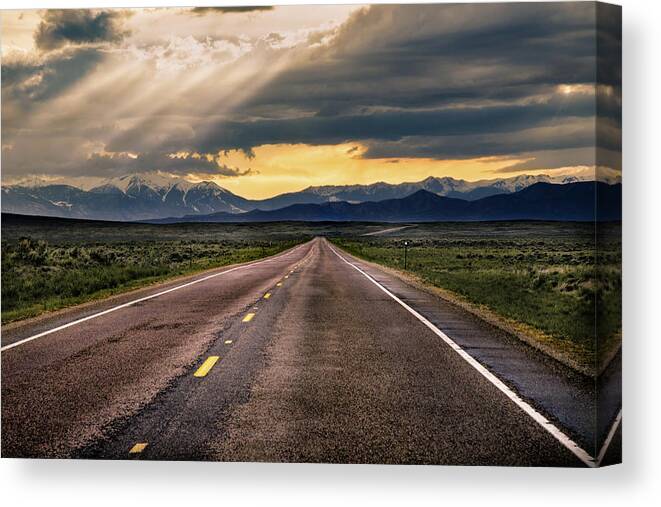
<point x="264" y="100"/>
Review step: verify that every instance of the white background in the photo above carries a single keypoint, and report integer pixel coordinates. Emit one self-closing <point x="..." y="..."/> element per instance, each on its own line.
<point x="637" y="482"/>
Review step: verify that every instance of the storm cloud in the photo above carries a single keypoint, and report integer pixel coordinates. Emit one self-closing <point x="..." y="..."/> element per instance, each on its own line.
<point x="118" y="164"/>
<point x="533" y="82"/>
<point x="433" y="78"/>
<point x="382" y="125"/>
<point x="30" y="81"/>
<point x="201" y="11"/>
<point x="78" y="26"/>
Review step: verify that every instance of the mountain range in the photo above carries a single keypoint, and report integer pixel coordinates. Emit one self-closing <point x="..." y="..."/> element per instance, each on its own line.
<point x="153" y="196"/>
<point x="541" y="201"/>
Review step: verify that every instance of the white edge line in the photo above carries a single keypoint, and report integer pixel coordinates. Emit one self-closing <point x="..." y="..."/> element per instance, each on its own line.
<point x="145" y="298"/>
<point x="609" y="438"/>
<point x="578" y="451"/>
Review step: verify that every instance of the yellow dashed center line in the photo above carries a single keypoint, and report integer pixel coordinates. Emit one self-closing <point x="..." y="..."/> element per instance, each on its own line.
<point x="267" y="295"/>
<point x="138" y="448"/>
<point x="206" y="366"/>
<point x="248" y="317"/>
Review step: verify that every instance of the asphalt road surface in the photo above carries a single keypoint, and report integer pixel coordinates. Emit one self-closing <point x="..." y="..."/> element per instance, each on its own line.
<point x="308" y="356"/>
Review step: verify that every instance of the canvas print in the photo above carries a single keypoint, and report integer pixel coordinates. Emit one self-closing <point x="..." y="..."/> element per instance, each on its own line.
<point x="384" y="234"/>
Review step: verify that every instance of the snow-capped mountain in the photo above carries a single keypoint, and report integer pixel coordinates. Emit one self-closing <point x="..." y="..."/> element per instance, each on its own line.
<point x="541" y="201"/>
<point x="132" y="197"/>
<point x="176" y="194"/>
<point x="153" y="196"/>
<point x="444" y="187"/>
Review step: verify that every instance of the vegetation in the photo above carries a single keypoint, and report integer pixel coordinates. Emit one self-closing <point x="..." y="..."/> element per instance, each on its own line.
<point x="561" y="282"/>
<point x="48" y="265"/>
<point x="559" y="279"/>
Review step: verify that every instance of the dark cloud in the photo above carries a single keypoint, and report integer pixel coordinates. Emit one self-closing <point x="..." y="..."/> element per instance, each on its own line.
<point x="482" y="68"/>
<point x="121" y="163"/>
<point x="118" y="164"/>
<point x="54" y="74"/>
<point x="564" y="134"/>
<point x="78" y="26"/>
<point x="609" y="45"/>
<point x="429" y="55"/>
<point x="29" y="82"/>
<point x="483" y="145"/>
<point x="69" y="44"/>
<point x="384" y="125"/>
<point x="609" y="77"/>
<point x="552" y="159"/>
<point x="202" y="11"/>
<point x="434" y="81"/>
<point x="556" y="159"/>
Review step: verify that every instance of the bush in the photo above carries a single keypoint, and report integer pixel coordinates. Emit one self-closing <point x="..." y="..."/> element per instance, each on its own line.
<point x="32" y="252"/>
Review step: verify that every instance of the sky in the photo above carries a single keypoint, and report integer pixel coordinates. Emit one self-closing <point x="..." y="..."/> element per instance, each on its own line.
<point x="265" y="100"/>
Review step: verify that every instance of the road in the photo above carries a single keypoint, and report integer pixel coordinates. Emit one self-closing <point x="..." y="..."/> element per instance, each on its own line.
<point x="308" y="356"/>
<point x="389" y="230"/>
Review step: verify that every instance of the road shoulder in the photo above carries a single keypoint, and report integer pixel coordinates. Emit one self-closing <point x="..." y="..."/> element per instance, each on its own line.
<point x="18" y="330"/>
<point x="563" y="394"/>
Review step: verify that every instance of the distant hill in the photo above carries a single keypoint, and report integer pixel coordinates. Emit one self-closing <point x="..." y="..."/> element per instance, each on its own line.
<point x="152" y="196"/>
<point x="541" y="201"/>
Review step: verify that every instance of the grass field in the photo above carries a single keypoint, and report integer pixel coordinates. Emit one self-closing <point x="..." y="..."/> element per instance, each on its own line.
<point x="49" y="264"/>
<point x="543" y="276"/>
<point x="52" y="263"/>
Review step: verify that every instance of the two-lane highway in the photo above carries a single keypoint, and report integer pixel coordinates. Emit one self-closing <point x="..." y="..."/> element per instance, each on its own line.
<point x="303" y="357"/>
<point x="64" y="389"/>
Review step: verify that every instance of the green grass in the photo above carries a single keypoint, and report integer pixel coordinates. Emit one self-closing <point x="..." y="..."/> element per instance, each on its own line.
<point x="561" y="279"/>
<point x="60" y="264"/>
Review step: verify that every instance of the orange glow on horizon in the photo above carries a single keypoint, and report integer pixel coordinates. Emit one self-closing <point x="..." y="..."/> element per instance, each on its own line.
<point x="281" y="168"/>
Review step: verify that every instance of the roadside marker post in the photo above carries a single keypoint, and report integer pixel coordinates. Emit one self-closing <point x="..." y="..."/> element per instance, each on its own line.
<point x="406" y="247"/>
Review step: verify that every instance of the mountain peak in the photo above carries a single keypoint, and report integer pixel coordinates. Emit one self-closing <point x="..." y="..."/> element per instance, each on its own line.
<point x="156" y="195"/>
<point x="155" y="181"/>
<point x="159" y="183"/>
<point x="423" y="193"/>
